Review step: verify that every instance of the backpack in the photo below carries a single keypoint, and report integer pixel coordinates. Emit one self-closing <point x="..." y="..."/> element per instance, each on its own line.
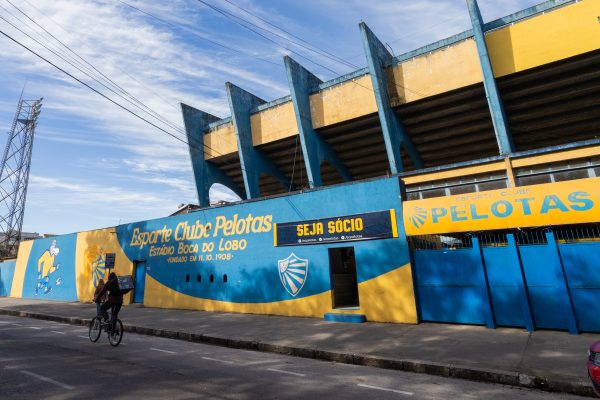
<point x="125" y="284"/>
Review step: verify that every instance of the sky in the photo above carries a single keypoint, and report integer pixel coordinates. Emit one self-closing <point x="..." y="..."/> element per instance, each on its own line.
<point x="96" y="165"/>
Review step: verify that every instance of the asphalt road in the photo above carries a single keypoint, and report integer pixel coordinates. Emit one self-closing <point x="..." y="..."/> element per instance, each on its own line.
<point x="50" y="360"/>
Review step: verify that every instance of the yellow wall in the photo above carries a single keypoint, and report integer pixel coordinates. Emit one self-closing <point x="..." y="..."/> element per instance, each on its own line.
<point x="91" y="245"/>
<point x="273" y="123"/>
<point x="220" y="141"/>
<point x="443" y="70"/>
<point x="348" y="100"/>
<point x="387" y="298"/>
<point x="553" y="36"/>
<point x="20" y="268"/>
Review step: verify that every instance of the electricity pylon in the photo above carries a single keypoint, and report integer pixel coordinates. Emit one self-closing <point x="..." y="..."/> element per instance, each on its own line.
<point x="14" y="175"/>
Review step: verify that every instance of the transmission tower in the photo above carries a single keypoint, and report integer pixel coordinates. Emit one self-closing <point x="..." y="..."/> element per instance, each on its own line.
<point x="14" y="175"/>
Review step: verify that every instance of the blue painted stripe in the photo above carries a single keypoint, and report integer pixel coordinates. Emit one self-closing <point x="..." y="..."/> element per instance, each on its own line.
<point x="352" y="318"/>
<point x="272" y="103"/>
<point x="526" y="13"/>
<point x="347" y="77"/>
<point x="218" y="123"/>
<point x="433" y="46"/>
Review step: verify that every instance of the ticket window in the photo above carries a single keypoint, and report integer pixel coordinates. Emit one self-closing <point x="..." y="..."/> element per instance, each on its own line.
<point x="342" y="264"/>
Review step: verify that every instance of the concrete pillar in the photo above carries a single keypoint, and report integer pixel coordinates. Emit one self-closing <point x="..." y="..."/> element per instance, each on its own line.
<point x="314" y="148"/>
<point x="252" y="161"/>
<point x="394" y="134"/>
<point x="503" y="136"/>
<point x="205" y="173"/>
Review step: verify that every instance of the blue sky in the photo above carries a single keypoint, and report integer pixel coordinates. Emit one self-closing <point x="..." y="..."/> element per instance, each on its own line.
<point x="94" y="165"/>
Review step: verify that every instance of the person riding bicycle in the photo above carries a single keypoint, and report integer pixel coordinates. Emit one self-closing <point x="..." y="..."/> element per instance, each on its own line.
<point x="115" y="298"/>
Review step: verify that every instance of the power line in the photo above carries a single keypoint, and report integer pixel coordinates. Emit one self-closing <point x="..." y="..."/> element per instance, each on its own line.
<point x="105" y="78"/>
<point x="318" y="50"/>
<point x="233" y="18"/>
<point x="100" y="93"/>
<point x="163" y="21"/>
<point x="151" y="113"/>
<point x="116" y="66"/>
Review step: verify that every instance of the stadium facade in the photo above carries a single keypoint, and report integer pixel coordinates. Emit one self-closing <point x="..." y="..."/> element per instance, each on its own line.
<point x="459" y="183"/>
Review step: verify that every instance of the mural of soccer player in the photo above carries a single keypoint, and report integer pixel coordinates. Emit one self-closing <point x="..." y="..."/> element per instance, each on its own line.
<point x="46" y="267"/>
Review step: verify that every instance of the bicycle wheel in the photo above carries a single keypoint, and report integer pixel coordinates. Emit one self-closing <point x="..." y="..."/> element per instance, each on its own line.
<point x="95" y="329"/>
<point x="116" y="334"/>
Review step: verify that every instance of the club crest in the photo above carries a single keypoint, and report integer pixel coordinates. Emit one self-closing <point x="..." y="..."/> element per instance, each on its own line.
<point x="293" y="272"/>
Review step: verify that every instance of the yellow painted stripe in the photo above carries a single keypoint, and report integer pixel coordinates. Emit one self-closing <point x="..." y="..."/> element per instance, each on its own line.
<point x="20" y="268"/>
<point x="454" y="173"/>
<point x="386" y="298"/>
<point x="556" y="157"/>
<point x="275" y="235"/>
<point x="394" y="224"/>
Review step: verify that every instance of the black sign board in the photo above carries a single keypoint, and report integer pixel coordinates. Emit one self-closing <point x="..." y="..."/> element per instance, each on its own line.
<point x="367" y="226"/>
<point x="109" y="260"/>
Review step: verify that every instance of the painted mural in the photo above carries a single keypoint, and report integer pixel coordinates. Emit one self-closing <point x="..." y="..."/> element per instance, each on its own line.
<point x="226" y="258"/>
<point x="50" y="272"/>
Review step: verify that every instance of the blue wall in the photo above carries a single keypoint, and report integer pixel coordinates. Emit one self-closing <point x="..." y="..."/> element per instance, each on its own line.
<point x="7" y="271"/>
<point x="252" y="275"/>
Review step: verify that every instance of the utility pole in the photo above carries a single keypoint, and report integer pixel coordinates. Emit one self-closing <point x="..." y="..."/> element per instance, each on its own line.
<point x="14" y="175"/>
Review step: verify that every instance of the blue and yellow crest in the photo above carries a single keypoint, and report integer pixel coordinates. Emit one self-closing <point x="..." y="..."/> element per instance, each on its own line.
<point x="418" y="217"/>
<point x="293" y="272"/>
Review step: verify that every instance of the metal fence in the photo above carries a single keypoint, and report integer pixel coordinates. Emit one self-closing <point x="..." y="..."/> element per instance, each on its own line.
<point x="439" y="242"/>
<point x="493" y="239"/>
<point x="579" y="233"/>
<point x="523" y="237"/>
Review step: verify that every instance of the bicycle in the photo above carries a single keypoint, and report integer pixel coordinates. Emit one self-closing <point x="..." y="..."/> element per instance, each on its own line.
<point x="113" y="327"/>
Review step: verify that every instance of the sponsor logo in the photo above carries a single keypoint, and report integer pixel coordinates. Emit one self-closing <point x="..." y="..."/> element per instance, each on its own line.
<point x="293" y="272"/>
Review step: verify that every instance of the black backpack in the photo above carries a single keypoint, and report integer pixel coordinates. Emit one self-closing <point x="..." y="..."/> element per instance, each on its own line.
<point x="125" y="284"/>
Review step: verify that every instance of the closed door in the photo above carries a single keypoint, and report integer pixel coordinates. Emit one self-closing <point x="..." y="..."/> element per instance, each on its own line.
<point x="140" y="282"/>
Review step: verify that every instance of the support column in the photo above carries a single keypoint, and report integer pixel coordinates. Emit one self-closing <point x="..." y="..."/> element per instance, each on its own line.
<point x="314" y="148"/>
<point x="394" y="133"/>
<point x="205" y="173"/>
<point x="503" y="136"/>
<point x="252" y="161"/>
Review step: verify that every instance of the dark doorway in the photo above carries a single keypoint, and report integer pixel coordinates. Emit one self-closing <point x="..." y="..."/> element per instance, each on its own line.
<point x="342" y="264"/>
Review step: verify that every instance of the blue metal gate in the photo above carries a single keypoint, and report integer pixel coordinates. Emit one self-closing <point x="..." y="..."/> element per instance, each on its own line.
<point x="450" y="284"/>
<point x="507" y="290"/>
<point x="580" y="259"/>
<point x="540" y="279"/>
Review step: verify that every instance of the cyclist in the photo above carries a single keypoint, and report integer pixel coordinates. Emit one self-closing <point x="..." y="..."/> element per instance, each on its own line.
<point x="115" y="298"/>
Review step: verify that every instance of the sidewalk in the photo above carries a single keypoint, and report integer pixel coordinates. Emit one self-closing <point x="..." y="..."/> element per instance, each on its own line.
<point x="546" y="360"/>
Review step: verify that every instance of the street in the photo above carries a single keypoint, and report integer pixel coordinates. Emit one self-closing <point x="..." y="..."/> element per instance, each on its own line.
<point x="42" y="359"/>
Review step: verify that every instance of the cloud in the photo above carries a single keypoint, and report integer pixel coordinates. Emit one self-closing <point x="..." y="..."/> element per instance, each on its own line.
<point x="110" y="161"/>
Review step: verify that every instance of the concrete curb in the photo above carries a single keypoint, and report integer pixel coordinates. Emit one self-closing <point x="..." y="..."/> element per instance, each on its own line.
<point x="511" y="378"/>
